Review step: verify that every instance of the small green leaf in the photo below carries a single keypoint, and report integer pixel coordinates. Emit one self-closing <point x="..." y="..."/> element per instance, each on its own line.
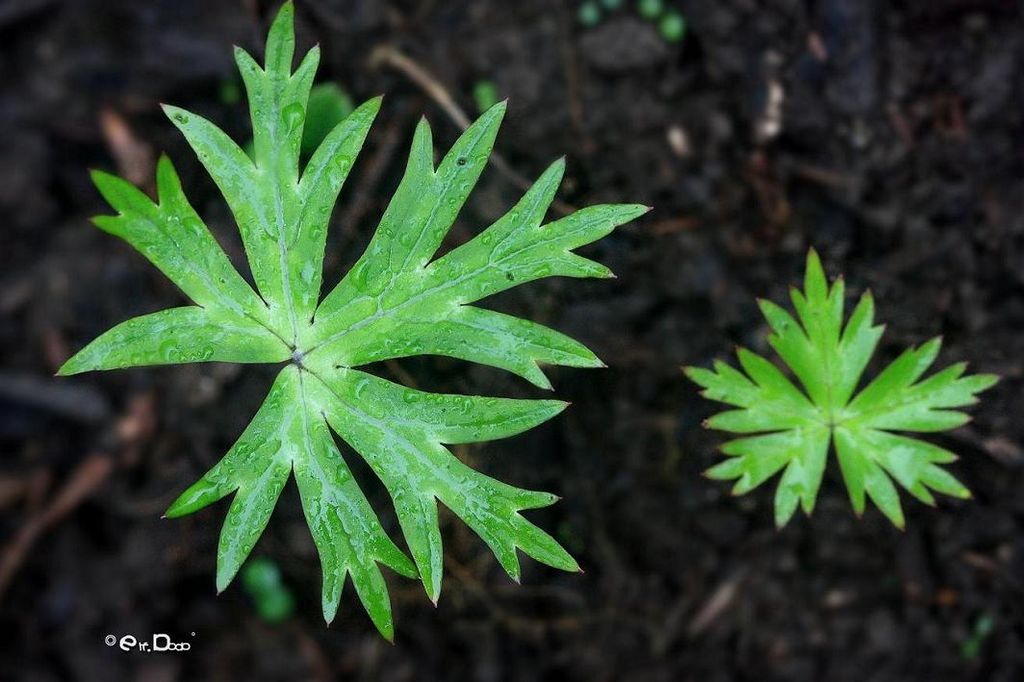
<point x="983" y="627"/>
<point x="794" y="425"/>
<point x="262" y="580"/>
<point x="589" y="14"/>
<point x="328" y="106"/>
<point x="672" y="27"/>
<point x="650" y="9"/>
<point x="485" y="94"/>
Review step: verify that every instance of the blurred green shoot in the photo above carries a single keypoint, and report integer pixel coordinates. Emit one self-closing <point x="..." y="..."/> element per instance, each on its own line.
<point x="230" y="92"/>
<point x="672" y="27"/>
<point x="650" y="9"/>
<point x="485" y="94"/>
<point x="328" y="106"/>
<point x="570" y="537"/>
<point x="262" y="581"/>
<point x="589" y="14"/>
<point x="983" y="627"/>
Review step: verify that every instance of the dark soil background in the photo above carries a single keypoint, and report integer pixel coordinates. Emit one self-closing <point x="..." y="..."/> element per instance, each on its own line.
<point x="886" y="134"/>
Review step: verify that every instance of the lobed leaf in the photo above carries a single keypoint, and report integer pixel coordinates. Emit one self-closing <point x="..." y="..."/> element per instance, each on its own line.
<point x="897" y="400"/>
<point x="394" y="303"/>
<point x="174" y="238"/>
<point x="768" y="400"/>
<point x="828" y="359"/>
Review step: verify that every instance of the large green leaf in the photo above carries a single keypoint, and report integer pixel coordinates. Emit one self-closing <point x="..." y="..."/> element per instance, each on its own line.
<point x="398" y="300"/>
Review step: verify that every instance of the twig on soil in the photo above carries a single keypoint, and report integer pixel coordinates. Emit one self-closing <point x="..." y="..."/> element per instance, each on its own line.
<point x="674" y="226"/>
<point x="29" y="487"/>
<point x="769" y="190"/>
<point x="134" y="157"/>
<point x="572" y="80"/>
<point x="534" y="628"/>
<point x="667" y="631"/>
<point x="129" y="431"/>
<point x="391" y="56"/>
<point x="717" y="604"/>
<point x="402" y="374"/>
<point x="89" y="476"/>
<point x="900" y="124"/>
<point x="823" y="176"/>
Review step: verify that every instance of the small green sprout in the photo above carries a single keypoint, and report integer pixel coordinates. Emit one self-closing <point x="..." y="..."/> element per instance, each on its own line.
<point x="983" y="627"/>
<point x="230" y="92"/>
<point x="795" y="427"/>
<point x="672" y="27"/>
<point x="485" y="94"/>
<point x="400" y="299"/>
<point x="650" y="9"/>
<point x="328" y="106"/>
<point x="262" y="580"/>
<point x="589" y="14"/>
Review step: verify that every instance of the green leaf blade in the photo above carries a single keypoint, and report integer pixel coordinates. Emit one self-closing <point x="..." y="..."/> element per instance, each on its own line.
<point x="445" y="418"/>
<point x="247" y="518"/>
<point x="488" y="265"/>
<point x="896" y="400"/>
<point x="318" y="190"/>
<point x="467" y="333"/>
<point x="251" y="453"/>
<point x="768" y="401"/>
<point x="328" y="105"/>
<point x="176" y="336"/>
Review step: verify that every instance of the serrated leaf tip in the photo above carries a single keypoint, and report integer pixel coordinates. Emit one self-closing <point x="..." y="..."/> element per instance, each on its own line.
<point x="286" y="11"/>
<point x="498" y="109"/>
